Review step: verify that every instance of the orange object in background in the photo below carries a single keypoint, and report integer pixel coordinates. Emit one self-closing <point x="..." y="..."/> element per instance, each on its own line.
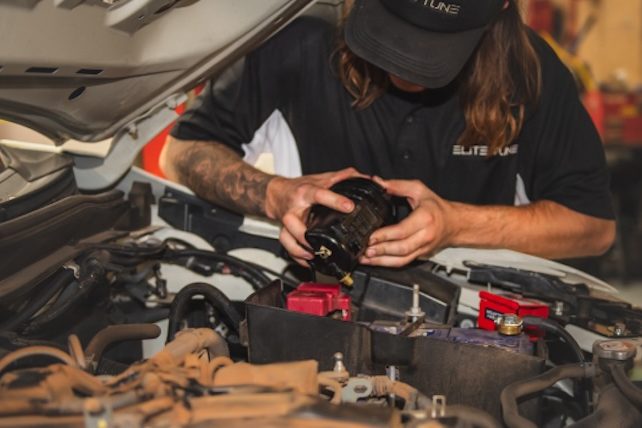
<point x="623" y="118"/>
<point x="541" y="15"/>
<point x="152" y="151"/>
<point x="594" y="103"/>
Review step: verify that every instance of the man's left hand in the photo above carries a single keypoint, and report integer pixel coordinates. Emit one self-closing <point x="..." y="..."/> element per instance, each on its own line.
<point x="426" y="230"/>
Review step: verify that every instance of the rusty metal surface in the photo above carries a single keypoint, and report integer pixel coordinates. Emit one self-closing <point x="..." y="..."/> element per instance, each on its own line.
<point x="190" y="383"/>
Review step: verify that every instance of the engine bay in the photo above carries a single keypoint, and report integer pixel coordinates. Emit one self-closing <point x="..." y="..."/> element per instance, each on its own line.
<point x="85" y="291"/>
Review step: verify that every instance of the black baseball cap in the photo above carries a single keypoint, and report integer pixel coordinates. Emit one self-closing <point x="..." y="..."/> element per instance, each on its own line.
<point x="426" y="42"/>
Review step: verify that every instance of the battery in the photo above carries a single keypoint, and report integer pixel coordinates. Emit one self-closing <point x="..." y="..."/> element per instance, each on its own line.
<point x="492" y="306"/>
<point x="320" y="299"/>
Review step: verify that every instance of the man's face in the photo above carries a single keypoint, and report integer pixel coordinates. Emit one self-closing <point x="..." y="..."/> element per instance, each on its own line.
<point x="404" y="85"/>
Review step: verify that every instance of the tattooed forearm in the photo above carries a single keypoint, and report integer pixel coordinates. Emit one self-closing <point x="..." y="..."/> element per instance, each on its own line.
<point x="219" y="175"/>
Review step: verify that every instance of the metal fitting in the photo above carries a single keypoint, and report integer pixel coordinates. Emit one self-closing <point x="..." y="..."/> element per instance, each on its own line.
<point x="509" y="325"/>
<point x="415" y="312"/>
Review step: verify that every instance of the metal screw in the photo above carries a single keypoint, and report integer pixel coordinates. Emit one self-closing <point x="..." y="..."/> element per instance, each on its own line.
<point x="339" y="367"/>
<point x="415" y="311"/>
<point x="393" y="375"/>
<point x="415" y="297"/>
<point x="619" y="329"/>
<point x="324" y="252"/>
<point x="558" y="308"/>
<point x="132" y="131"/>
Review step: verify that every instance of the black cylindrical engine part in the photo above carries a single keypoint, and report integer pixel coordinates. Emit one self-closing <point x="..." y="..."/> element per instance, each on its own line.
<point x="338" y="240"/>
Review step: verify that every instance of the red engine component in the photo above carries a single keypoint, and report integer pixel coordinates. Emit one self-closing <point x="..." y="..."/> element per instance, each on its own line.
<point x="491" y="306"/>
<point x="320" y="299"/>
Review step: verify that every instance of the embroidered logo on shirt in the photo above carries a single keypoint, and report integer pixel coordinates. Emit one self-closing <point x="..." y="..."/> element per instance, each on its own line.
<point x="482" y="151"/>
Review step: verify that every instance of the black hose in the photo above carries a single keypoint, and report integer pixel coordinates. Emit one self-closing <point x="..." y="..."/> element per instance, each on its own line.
<point x="92" y="274"/>
<point x="556" y="329"/>
<point x="212" y="295"/>
<point x="47" y="290"/>
<point x="624" y="384"/>
<point x="255" y="277"/>
<point x="581" y="389"/>
<point x="612" y="410"/>
<point x="513" y="392"/>
<point x="289" y="282"/>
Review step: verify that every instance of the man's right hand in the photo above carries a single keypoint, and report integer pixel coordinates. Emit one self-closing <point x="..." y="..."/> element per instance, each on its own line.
<point x="219" y="175"/>
<point x="289" y="200"/>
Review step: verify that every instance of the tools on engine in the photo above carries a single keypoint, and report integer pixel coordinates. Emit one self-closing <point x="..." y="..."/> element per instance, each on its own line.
<point x="338" y="240"/>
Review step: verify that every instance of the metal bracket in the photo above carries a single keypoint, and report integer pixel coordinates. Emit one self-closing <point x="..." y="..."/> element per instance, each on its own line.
<point x="438" y="409"/>
<point x="356" y="388"/>
<point x="72" y="266"/>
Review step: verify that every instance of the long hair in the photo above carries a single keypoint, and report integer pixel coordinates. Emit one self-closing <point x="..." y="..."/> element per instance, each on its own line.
<point x="500" y="80"/>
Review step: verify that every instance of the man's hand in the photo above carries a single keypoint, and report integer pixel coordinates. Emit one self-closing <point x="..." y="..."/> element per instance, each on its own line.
<point x="289" y="200"/>
<point x="219" y="175"/>
<point x="543" y="228"/>
<point x="424" y="231"/>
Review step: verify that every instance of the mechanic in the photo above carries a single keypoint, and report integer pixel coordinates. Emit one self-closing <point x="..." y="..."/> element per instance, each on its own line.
<point x="456" y="104"/>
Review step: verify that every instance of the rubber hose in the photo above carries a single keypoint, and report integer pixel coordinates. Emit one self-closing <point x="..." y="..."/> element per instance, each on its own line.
<point x="212" y="295"/>
<point x="117" y="333"/>
<point x="48" y="289"/>
<point x="555" y="328"/>
<point x="36" y="351"/>
<point x="516" y="390"/>
<point x="193" y="340"/>
<point x="624" y="384"/>
<point x="92" y="275"/>
<point x="581" y="389"/>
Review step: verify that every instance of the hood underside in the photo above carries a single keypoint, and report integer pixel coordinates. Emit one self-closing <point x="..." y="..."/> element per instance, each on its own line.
<point x="85" y="69"/>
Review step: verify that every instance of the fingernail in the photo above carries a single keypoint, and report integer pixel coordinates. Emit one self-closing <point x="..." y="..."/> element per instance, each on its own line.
<point x="371" y="252"/>
<point x="348" y="205"/>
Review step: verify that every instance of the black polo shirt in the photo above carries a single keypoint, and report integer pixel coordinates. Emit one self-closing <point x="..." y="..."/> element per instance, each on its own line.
<point x="291" y="79"/>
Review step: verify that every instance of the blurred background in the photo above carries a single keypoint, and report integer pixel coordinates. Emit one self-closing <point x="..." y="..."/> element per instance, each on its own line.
<point x="601" y="42"/>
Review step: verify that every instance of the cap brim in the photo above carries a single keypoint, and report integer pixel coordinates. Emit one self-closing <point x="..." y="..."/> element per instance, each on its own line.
<point x="429" y="59"/>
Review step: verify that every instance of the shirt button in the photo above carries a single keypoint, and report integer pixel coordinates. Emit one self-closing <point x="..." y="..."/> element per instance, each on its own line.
<point x="410" y="119"/>
<point x="406" y="155"/>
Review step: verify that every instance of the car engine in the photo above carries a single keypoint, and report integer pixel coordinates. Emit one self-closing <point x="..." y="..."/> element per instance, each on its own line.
<point x="83" y="287"/>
